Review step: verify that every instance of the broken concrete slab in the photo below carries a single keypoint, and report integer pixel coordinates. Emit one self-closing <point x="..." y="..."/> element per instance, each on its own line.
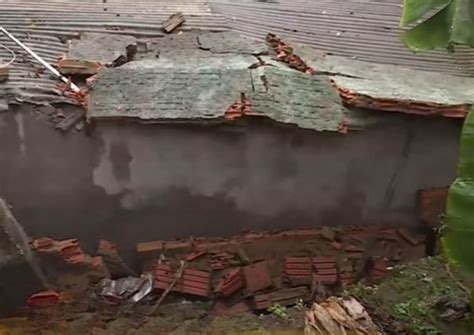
<point x="198" y="89"/>
<point x="231" y="42"/>
<point x="95" y="50"/>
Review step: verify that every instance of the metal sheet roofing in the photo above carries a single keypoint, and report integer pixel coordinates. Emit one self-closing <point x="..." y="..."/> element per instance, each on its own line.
<point x="366" y="30"/>
<point x="44" y="26"/>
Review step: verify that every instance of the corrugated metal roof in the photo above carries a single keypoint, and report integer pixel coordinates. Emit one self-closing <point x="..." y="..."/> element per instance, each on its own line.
<point x="364" y="29"/>
<point x="43" y="26"/>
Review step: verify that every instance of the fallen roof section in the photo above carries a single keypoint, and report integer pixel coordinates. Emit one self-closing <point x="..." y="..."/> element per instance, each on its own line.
<point x="393" y="88"/>
<point x="203" y="88"/>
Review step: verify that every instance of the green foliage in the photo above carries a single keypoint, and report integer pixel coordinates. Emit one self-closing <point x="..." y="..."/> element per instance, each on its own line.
<point x="458" y="237"/>
<point x="414" y="312"/>
<point x="279" y="311"/>
<point x="437" y="23"/>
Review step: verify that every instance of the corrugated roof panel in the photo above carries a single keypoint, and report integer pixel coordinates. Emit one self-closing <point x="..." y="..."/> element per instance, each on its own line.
<point x="44" y="26"/>
<point x="366" y="30"/>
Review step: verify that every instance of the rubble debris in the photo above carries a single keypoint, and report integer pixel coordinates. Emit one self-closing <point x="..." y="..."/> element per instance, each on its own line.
<point x="44" y="299"/>
<point x="353" y="99"/>
<point x="431" y="205"/>
<point x="192" y="282"/>
<point x="326" y="270"/>
<point x="230" y="283"/>
<point x="298" y="270"/>
<point x="243" y="257"/>
<point x="328" y="234"/>
<point x="177" y="276"/>
<point x="284" y="297"/>
<point x="285" y="54"/>
<point x="173" y="22"/>
<point x="69" y="122"/>
<point x="410" y="237"/>
<point x="256" y="277"/>
<point x="129" y="289"/>
<point x="339" y="316"/>
<point x="93" y="51"/>
<point x="112" y="260"/>
<point x="194" y="255"/>
<point x="222" y="260"/>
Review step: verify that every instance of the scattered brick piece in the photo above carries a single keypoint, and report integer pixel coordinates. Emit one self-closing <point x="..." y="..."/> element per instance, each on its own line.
<point x="173" y="22"/>
<point x="222" y="260"/>
<point x="410" y="237"/>
<point x="192" y="282"/>
<point x="326" y="271"/>
<point x="69" y="250"/>
<point x="230" y="283"/>
<point x="284" y="297"/>
<point x="195" y="255"/>
<point x="44" y="299"/>
<point x="298" y="270"/>
<point x="256" y="277"/>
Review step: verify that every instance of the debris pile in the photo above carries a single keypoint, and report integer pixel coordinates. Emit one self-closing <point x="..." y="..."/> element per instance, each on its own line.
<point x="252" y="272"/>
<point x="285" y="54"/>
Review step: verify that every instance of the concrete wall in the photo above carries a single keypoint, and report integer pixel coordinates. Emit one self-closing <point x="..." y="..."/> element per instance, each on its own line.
<point x="131" y="182"/>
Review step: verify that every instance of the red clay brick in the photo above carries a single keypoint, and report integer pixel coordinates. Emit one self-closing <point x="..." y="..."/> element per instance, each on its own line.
<point x="256" y="277"/>
<point x="230" y="283"/>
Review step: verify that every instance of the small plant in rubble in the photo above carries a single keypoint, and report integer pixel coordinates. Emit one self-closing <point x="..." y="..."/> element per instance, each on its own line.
<point x="279" y="311"/>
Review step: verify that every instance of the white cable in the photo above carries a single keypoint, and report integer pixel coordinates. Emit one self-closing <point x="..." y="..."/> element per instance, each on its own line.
<point x="12" y="53"/>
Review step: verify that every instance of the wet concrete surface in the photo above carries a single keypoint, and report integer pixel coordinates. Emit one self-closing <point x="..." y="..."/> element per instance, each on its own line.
<point x="129" y="182"/>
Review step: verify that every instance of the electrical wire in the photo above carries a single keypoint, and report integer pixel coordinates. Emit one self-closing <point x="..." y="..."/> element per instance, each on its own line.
<point x="12" y="53"/>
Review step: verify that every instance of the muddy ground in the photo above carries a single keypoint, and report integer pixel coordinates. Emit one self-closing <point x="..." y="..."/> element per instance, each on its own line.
<point x="411" y="300"/>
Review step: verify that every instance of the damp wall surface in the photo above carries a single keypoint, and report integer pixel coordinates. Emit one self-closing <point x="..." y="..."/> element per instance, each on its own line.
<point x="130" y="182"/>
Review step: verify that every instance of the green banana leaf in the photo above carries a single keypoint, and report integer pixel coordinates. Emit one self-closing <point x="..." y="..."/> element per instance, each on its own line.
<point x="458" y="239"/>
<point x="449" y="22"/>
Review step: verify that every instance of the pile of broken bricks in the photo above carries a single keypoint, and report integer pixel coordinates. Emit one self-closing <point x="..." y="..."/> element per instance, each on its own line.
<point x="222" y="270"/>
